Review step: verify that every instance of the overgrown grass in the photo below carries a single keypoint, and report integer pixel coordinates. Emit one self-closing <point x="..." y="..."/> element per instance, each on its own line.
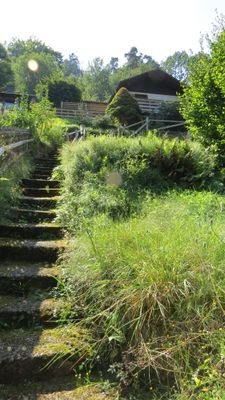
<point x="13" y="169"/>
<point x="146" y="270"/>
<point x="152" y="289"/>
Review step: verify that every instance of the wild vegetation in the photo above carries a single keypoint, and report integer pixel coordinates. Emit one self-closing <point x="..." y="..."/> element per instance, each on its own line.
<point x="13" y="170"/>
<point x="142" y="272"/>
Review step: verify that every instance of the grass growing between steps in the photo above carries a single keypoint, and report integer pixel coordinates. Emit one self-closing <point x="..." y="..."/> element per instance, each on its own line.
<point x="148" y="281"/>
<point x="13" y="170"/>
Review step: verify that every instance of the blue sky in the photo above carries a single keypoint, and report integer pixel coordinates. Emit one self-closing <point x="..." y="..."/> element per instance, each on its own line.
<point x="105" y="28"/>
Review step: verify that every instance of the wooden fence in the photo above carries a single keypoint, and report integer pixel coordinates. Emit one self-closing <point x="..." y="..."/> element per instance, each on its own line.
<point x="81" y="109"/>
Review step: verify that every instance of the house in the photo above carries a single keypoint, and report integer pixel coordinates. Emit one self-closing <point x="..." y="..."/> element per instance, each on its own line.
<point x="152" y="88"/>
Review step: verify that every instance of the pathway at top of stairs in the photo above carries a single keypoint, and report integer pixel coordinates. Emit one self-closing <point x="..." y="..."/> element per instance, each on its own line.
<point x="30" y="337"/>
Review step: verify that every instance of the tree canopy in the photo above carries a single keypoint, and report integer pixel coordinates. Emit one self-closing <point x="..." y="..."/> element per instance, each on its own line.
<point x="203" y="102"/>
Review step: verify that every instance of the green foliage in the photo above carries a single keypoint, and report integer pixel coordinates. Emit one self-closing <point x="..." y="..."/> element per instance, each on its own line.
<point x="152" y="290"/>
<point x="26" y="80"/>
<point x="72" y="66"/>
<point x="95" y="81"/>
<point x="203" y="100"/>
<point x="13" y="170"/>
<point x="62" y="90"/>
<point x="111" y="174"/>
<point x="18" y="47"/>
<point x="6" y="74"/>
<point x="124" y="108"/>
<point x="39" y="118"/>
<point x="177" y="65"/>
<point x="134" y="59"/>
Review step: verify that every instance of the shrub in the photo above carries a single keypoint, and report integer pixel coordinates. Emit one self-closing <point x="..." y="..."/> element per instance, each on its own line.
<point x="124" y="108"/>
<point x="39" y="117"/>
<point x="59" y="91"/>
<point x="111" y="174"/>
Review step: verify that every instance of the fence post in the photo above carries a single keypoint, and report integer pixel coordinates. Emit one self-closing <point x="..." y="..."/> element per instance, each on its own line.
<point x="147" y="124"/>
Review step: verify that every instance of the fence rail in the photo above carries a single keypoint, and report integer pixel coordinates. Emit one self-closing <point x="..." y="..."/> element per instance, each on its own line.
<point x="13" y="139"/>
<point x="9" y="135"/>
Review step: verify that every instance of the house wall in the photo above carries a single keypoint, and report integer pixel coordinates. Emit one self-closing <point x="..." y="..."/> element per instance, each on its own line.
<point x="150" y="102"/>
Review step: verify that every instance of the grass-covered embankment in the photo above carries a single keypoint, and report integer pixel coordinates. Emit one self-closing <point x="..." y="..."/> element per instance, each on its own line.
<point x="150" y="285"/>
<point x="12" y="170"/>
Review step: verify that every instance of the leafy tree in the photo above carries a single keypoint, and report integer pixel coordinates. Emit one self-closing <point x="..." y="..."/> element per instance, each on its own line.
<point x="95" y="81"/>
<point x="26" y="79"/>
<point x="63" y="91"/>
<point x="113" y="64"/>
<point x="177" y="65"/>
<point x="203" y="102"/>
<point x="72" y="66"/>
<point x="6" y="74"/>
<point x="19" y="47"/>
<point x="133" y="58"/>
<point x="124" y="108"/>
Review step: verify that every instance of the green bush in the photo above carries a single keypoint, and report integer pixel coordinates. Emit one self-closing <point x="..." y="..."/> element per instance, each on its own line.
<point x="59" y="91"/>
<point x="39" y="117"/>
<point x="111" y="174"/>
<point x="124" y="108"/>
<point x="13" y="170"/>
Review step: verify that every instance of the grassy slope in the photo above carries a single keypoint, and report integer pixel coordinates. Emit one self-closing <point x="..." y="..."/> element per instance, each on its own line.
<point x="150" y="286"/>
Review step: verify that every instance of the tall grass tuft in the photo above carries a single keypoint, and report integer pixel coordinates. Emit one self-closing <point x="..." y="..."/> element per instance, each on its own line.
<point x="152" y="289"/>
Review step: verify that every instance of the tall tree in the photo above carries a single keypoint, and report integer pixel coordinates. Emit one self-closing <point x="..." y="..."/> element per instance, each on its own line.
<point x="19" y="47"/>
<point x="133" y="58"/>
<point x="6" y="73"/>
<point x="177" y="65"/>
<point x="72" y="66"/>
<point x="27" y="77"/>
<point x="113" y="64"/>
<point x="95" y="81"/>
<point x="204" y="98"/>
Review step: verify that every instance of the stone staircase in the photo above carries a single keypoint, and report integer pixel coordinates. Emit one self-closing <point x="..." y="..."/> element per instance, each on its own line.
<point x="38" y="356"/>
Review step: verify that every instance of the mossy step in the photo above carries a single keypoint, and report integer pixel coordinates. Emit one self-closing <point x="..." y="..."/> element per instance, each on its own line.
<point x="41" y="192"/>
<point x="35" y="308"/>
<point x="41" y="354"/>
<point x="47" y="170"/>
<point x="59" y="390"/>
<point x="39" y="176"/>
<point x="31" y="231"/>
<point x="33" y="215"/>
<point x="45" y="202"/>
<point x="31" y="250"/>
<point x="41" y="183"/>
<point x="24" y="278"/>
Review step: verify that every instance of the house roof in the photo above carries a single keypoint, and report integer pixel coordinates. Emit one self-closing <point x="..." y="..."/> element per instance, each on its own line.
<point x="155" y="81"/>
<point x="11" y="97"/>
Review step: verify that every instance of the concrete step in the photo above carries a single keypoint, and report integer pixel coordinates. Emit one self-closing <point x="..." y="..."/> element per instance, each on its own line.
<point x="41" y="183"/>
<point x="41" y="192"/>
<point x="39" y="202"/>
<point x="31" y="231"/>
<point x="29" y="310"/>
<point x="40" y="354"/>
<point x="33" y="215"/>
<point x="20" y="278"/>
<point x="39" y="176"/>
<point x="30" y="250"/>
<point x="46" y="170"/>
